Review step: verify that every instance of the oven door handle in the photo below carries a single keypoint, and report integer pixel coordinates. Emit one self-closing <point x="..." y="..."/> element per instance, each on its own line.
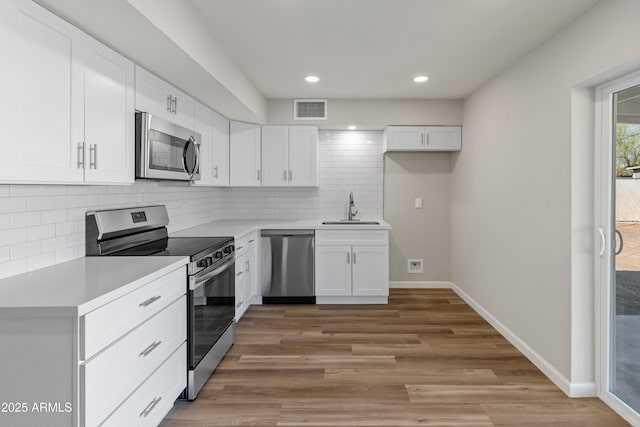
<point x="196" y="281"/>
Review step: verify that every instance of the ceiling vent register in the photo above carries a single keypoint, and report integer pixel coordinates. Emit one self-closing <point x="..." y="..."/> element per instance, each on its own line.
<point x="310" y="109"/>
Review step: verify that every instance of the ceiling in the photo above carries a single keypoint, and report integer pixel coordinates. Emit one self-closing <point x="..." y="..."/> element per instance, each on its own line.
<point x="373" y="48"/>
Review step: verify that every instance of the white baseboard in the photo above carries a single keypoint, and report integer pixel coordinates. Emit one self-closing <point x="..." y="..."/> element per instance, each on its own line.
<point x="421" y="285"/>
<point x="571" y="390"/>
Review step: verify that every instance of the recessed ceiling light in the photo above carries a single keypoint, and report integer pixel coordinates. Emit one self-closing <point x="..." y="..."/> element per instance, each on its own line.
<point x="420" y="79"/>
<point x="352" y="127"/>
<point x="312" y="79"/>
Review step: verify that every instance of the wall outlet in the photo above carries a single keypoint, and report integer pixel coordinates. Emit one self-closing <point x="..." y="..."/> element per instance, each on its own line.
<point x="414" y="265"/>
<point x="418" y="202"/>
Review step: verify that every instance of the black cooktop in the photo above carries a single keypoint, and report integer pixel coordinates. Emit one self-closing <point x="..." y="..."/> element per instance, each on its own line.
<point x="194" y="247"/>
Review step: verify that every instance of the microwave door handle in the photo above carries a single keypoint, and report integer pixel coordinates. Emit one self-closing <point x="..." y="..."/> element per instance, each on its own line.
<point x="184" y="157"/>
<point x="196" y="281"/>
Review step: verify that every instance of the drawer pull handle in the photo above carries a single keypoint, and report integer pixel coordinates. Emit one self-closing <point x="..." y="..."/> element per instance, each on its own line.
<point x="149" y="301"/>
<point x="238" y="305"/>
<point x="149" y="349"/>
<point x="251" y="241"/>
<point x="239" y="248"/>
<point x="150" y="407"/>
<point x="239" y="274"/>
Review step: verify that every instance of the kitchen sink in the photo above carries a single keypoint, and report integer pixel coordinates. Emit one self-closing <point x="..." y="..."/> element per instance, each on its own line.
<point x="350" y="222"/>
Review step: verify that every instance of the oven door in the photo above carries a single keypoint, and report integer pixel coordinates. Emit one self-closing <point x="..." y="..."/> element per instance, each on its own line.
<point x="211" y="300"/>
<point x="165" y="150"/>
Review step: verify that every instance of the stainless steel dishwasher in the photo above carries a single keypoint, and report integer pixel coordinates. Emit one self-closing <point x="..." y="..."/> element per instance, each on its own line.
<point x="288" y="267"/>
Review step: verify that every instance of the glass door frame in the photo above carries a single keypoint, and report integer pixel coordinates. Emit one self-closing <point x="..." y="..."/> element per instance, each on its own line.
<point x="604" y="237"/>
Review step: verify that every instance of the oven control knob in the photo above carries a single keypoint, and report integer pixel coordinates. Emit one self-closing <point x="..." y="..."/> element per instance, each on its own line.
<point x="202" y="263"/>
<point x="209" y="261"/>
<point x="228" y="249"/>
<point x="217" y="255"/>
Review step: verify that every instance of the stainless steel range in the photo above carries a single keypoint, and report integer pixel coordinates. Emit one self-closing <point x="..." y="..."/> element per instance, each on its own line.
<point x="211" y="278"/>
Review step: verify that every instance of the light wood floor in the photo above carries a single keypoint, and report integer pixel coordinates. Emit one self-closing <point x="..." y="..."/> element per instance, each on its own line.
<point x="426" y="359"/>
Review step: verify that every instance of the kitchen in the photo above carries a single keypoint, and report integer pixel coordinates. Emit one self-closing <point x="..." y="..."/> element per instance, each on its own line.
<point x="502" y="181"/>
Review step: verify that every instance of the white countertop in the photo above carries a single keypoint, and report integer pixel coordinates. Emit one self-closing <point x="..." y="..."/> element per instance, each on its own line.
<point x="76" y="287"/>
<point x="238" y="228"/>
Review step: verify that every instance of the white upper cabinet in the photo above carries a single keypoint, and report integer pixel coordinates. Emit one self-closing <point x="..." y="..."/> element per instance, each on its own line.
<point x="38" y="108"/>
<point x="68" y="110"/>
<point x="108" y="115"/>
<point x="204" y="126"/>
<point x="289" y="156"/>
<point x="422" y="138"/>
<point x="275" y="156"/>
<point x="157" y="97"/>
<point x="220" y="150"/>
<point x="244" y="154"/>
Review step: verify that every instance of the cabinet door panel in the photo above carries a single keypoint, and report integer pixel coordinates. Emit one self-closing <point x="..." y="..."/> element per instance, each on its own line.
<point x="108" y="115"/>
<point x="370" y="270"/>
<point x="152" y="94"/>
<point x="275" y="156"/>
<point x="204" y="126"/>
<point x="244" y="147"/>
<point x="444" y="138"/>
<point x="183" y="109"/>
<point x="303" y="156"/>
<point x="37" y="109"/>
<point x="220" y="150"/>
<point x="405" y="138"/>
<point x="333" y="270"/>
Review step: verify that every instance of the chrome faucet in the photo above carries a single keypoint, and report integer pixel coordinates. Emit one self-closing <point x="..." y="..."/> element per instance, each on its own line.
<point x="350" y="208"/>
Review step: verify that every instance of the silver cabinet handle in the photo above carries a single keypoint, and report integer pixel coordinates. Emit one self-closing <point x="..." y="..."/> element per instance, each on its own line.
<point x="149" y="349"/>
<point x="348" y="258"/>
<point x="251" y="241"/>
<point x="239" y="248"/>
<point x="284" y="175"/>
<point x="168" y="103"/>
<point x="80" y="155"/>
<point x="239" y="304"/>
<point x="215" y="172"/>
<point x="258" y="174"/>
<point x="354" y="258"/>
<point x="149" y="301"/>
<point x="422" y="139"/>
<point x="175" y="106"/>
<point x="93" y="156"/>
<point x="150" y="407"/>
<point x="239" y="274"/>
<point x="246" y="263"/>
<point x="427" y="139"/>
<point x="290" y="175"/>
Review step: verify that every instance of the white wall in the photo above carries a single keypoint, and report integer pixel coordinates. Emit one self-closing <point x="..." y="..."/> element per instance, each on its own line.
<point x="373" y="113"/>
<point x="418" y="233"/>
<point x="521" y="209"/>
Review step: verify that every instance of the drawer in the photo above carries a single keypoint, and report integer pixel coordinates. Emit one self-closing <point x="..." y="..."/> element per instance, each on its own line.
<point x="106" y="324"/>
<point x="154" y="399"/>
<point x="245" y="243"/>
<point x="352" y="237"/>
<point x="110" y="377"/>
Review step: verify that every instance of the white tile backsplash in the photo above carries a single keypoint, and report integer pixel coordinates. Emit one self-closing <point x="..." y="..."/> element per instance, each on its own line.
<point x="42" y="225"/>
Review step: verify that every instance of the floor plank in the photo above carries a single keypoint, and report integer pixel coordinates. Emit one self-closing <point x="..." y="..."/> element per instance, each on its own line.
<point x="426" y="358"/>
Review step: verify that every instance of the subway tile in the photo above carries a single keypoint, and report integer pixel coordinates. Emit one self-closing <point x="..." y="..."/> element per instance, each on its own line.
<point x="41" y="203"/>
<point x="13" y="268"/>
<point x="5" y="221"/>
<point x="13" y="204"/>
<point x="24" y="250"/>
<point x="13" y="236"/>
<point x="5" y="190"/>
<point x="17" y="190"/>
<point x="5" y="254"/>
<point x="40" y="261"/>
<point x="68" y="254"/>
<point x="25" y="219"/>
<point x="40" y="232"/>
<point x="54" y="216"/>
<point x="66" y="228"/>
<point x="54" y="244"/>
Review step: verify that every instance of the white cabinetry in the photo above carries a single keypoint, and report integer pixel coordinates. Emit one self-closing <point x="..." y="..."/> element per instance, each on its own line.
<point x="220" y="150"/>
<point x="422" y="138"/>
<point x="244" y="147"/>
<point x="204" y="126"/>
<point x="68" y="102"/>
<point x="352" y="266"/>
<point x="289" y="156"/>
<point x="157" y="97"/>
<point x="246" y="275"/>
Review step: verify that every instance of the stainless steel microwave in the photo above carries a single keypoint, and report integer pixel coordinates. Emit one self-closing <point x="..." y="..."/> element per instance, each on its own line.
<point x="165" y="150"/>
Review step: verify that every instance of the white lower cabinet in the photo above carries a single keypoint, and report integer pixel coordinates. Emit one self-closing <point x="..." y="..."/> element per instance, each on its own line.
<point x="352" y="266"/>
<point x="246" y="274"/>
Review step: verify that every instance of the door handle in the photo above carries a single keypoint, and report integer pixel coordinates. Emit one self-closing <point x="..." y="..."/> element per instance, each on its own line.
<point x="215" y="172"/>
<point x="618" y="250"/>
<point x="93" y="156"/>
<point x="603" y="241"/>
<point x="258" y="174"/>
<point x="168" y="103"/>
<point x="80" y="155"/>
<point x="354" y="258"/>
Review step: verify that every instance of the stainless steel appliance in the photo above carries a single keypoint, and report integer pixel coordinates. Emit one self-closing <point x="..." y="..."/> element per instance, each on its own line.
<point x="288" y="266"/>
<point x="211" y="278"/>
<point x="165" y="150"/>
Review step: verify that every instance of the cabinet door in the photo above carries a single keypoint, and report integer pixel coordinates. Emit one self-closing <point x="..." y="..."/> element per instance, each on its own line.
<point x="333" y="270"/>
<point x="152" y="94"/>
<point x="250" y="277"/>
<point x="204" y="126"/>
<point x="275" y="156"/>
<point x="405" y="138"/>
<point x="108" y="115"/>
<point x="444" y="138"/>
<point x="244" y="147"/>
<point x="240" y="286"/>
<point x="220" y="150"/>
<point x="38" y="107"/>
<point x="370" y="270"/>
<point x="303" y="156"/>
<point x="183" y="108"/>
